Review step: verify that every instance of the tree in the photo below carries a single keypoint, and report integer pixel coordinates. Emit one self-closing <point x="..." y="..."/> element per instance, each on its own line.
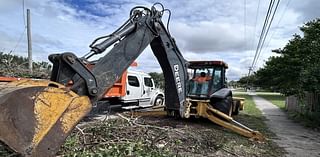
<point x="17" y="66"/>
<point x="248" y="81"/>
<point x="233" y="84"/>
<point x="296" y="69"/>
<point x="158" y="79"/>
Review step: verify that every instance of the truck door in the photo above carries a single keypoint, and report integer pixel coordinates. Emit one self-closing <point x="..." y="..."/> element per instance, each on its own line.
<point x="134" y="89"/>
<point x="148" y="91"/>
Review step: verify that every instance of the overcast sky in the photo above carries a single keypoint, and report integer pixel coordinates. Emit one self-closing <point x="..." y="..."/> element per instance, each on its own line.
<point x="203" y="29"/>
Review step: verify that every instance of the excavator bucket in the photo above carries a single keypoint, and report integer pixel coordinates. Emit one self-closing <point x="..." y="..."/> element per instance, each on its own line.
<point x="37" y="115"/>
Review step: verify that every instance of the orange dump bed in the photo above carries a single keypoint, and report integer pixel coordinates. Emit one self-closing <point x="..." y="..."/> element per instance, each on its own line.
<point x="119" y="88"/>
<point x="9" y="79"/>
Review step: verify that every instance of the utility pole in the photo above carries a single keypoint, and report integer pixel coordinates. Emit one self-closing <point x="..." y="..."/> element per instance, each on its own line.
<point x="29" y="41"/>
<point x="247" y="86"/>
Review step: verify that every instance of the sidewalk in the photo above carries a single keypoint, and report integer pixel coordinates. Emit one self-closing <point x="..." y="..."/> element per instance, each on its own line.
<point x="294" y="138"/>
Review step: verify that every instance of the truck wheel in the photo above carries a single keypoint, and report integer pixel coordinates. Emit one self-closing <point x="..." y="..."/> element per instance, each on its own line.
<point x="224" y="105"/>
<point x="158" y="101"/>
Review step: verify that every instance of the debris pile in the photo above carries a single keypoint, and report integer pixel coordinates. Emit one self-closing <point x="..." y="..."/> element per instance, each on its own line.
<point x="127" y="135"/>
<point x="136" y="137"/>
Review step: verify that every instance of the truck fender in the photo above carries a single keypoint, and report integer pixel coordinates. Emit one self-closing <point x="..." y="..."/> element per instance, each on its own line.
<point x="155" y="96"/>
<point x="221" y="94"/>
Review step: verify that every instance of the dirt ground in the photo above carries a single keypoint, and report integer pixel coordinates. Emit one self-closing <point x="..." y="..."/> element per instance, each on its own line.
<point x="161" y="136"/>
<point x="121" y="134"/>
<point x="295" y="139"/>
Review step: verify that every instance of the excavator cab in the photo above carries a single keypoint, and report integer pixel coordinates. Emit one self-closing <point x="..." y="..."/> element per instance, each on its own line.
<point x="206" y="77"/>
<point x="209" y="97"/>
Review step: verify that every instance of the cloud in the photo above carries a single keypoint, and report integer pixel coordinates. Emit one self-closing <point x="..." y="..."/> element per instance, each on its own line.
<point x="308" y="9"/>
<point x="209" y="37"/>
<point x="204" y="30"/>
<point x="233" y="73"/>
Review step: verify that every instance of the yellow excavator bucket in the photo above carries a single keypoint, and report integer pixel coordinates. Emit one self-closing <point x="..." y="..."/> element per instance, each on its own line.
<point x="37" y="115"/>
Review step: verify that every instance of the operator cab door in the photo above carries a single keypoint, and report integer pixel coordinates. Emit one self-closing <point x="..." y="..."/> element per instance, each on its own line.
<point x="134" y="89"/>
<point x="147" y="93"/>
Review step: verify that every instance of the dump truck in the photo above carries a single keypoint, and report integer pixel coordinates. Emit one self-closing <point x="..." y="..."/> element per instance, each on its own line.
<point x="135" y="89"/>
<point x="37" y="115"/>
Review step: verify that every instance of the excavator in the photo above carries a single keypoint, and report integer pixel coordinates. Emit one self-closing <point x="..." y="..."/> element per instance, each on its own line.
<point x="36" y="116"/>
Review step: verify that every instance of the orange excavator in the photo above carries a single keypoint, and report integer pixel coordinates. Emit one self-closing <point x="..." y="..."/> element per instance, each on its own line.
<point x="37" y="115"/>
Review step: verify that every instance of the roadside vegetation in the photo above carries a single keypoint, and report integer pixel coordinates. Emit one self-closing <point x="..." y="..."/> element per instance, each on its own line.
<point x="17" y="66"/>
<point x="294" y="71"/>
<point x="158" y="79"/>
<point x="275" y="98"/>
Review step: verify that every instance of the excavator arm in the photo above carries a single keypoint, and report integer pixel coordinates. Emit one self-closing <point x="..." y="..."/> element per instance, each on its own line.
<point x="37" y="123"/>
<point x="142" y="29"/>
<point x="37" y="116"/>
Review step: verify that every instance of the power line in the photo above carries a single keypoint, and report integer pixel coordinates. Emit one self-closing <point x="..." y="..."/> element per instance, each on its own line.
<point x="255" y="24"/>
<point x="23" y="14"/>
<point x="245" y="23"/>
<point x="19" y="41"/>
<point x="262" y="33"/>
<point x="264" y="38"/>
<point x="24" y="29"/>
<point x="276" y="27"/>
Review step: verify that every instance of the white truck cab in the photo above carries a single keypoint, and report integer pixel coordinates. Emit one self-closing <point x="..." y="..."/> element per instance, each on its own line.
<point x="135" y="89"/>
<point x="141" y="91"/>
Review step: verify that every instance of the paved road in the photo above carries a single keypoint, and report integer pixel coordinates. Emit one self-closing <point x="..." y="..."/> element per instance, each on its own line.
<point x="294" y="138"/>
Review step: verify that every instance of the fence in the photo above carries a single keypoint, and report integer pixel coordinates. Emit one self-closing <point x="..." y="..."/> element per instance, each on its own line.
<point x="310" y="103"/>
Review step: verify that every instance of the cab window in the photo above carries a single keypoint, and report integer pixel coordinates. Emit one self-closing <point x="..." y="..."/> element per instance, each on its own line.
<point x="217" y="82"/>
<point x="148" y="82"/>
<point x="133" y="81"/>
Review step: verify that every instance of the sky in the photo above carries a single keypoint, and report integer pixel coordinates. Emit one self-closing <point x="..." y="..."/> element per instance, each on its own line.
<point x="225" y="30"/>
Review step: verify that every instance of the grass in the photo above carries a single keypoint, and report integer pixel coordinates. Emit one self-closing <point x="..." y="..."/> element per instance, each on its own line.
<point x="250" y="106"/>
<point x="275" y="98"/>
<point x="239" y="90"/>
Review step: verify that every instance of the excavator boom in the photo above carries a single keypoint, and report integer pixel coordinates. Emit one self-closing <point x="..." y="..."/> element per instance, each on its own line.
<point x="143" y="28"/>
<point x="37" y="115"/>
